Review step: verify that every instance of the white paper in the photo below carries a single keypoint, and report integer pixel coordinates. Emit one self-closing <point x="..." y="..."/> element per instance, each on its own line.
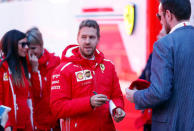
<point x="112" y="106"/>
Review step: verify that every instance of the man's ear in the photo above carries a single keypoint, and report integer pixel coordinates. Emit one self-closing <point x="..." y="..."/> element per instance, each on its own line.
<point x="169" y="16"/>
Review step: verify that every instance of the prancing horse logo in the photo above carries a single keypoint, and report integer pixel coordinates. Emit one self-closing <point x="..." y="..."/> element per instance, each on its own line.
<point x="129" y="18"/>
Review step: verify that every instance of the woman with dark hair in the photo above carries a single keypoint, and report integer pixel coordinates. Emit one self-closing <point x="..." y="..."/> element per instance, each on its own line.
<point x="15" y="80"/>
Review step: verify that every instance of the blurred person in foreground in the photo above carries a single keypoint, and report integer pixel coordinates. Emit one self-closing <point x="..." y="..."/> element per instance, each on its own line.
<point x="83" y="84"/>
<point x="170" y="94"/>
<point x="45" y="62"/>
<point x="15" y="80"/>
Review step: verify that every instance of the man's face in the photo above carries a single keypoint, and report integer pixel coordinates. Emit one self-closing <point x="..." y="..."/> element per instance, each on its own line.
<point x="88" y="40"/>
<point x="164" y="22"/>
<point x="35" y="49"/>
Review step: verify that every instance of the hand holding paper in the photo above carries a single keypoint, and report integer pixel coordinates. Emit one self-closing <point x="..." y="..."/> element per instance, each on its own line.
<point x="117" y="113"/>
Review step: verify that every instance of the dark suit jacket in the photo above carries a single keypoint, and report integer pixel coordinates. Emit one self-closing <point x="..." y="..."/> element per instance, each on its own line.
<point x="171" y="93"/>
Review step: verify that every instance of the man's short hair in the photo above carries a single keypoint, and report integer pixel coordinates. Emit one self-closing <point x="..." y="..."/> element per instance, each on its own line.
<point x="180" y="8"/>
<point x="34" y="36"/>
<point x="90" y="23"/>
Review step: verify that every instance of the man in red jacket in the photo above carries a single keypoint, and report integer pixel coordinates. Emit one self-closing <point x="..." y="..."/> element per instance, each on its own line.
<point x="84" y="84"/>
<point x="46" y="62"/>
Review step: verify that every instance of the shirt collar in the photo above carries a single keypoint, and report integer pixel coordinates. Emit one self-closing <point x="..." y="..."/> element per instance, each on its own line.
<point x="93" y="58"/>
<point x="184" y="23"/>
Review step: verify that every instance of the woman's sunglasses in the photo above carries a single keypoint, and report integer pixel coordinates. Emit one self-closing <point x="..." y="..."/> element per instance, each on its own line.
<point x="158" y="16"/>
<point x="24" y="44"/>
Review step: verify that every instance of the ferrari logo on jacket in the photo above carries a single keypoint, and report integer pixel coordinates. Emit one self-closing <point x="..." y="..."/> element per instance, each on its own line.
<point x="5" y="76"/>
<point x="102" y="67"/>
<point x="83" y="75"/>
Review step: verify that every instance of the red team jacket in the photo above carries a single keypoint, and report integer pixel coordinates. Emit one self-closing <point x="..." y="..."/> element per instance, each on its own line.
<point x="73" y="83"/>
<point x="16" y="98"/>
<point x="43" y="118"/>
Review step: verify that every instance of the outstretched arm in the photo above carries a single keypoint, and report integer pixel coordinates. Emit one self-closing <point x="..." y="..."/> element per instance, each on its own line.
<point x="161" y="78"/>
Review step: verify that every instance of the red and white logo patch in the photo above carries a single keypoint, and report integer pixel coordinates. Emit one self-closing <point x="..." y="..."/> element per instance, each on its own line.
<point x="5" y="76"/>
<point x="83" y="75"/>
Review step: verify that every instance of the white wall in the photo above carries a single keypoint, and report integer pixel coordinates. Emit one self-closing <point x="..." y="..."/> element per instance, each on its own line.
<point x="58" y="22"/>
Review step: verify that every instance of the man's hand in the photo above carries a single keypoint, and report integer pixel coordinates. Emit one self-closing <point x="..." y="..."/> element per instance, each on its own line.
<point x="34" y="61"/>
<point x="119" y="114"/>
<point x="8" y="128"/>
<point x="130" y="94"/>
<point x="98" y="100"/>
